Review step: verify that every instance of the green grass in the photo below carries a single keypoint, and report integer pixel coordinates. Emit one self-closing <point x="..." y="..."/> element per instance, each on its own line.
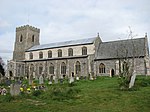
<point x="101" y="95"/>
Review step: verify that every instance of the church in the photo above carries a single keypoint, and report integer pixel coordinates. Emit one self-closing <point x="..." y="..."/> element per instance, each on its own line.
<point x="83" y="57"/>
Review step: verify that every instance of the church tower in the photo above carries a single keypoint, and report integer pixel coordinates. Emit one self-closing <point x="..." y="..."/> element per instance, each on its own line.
<point x="26" y="37"/>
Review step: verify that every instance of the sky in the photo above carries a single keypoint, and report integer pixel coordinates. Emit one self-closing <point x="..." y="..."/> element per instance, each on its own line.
<point x="63" y="20"/>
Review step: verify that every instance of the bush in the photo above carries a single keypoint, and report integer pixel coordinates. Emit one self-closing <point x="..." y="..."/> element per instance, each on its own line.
<point x="6" y="98"/>
<point x="123" y="83"/>
<point x="143" y="82"/>
<point x="37" y="93"/>
<point x="62" y="93"/>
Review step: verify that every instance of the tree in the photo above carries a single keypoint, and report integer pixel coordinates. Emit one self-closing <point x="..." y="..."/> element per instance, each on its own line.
<point x="2" y="64"/>
<point x="126" y="72"/>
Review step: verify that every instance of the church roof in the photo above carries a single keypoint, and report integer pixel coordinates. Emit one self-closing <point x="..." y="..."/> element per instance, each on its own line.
<point x="63" y="44"/>
<point x="121" y="49"/>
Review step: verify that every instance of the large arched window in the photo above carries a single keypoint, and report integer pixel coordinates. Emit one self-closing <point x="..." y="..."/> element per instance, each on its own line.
<point x="49" y="54"/>
<point x="21" y="38"/>
<point x="101" y="68"/>
<point x="124" y="66"/>
<point x="31" y="55"/>
<point x="70" y="52"/>
<point x="31" y="69"/>
<point x="40" y="69"/>
<point x="32" y="38"/>
<point x="63" y="68"/>
<point x="51" y="69"/>
<point x="59" y="53"/>
<point x="78" y="67"/>
<point x="40" y="55"/>
<point x="84" y="50"/>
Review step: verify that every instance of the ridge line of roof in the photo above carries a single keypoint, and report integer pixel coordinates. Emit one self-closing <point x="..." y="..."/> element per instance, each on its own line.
<point x="66" y="41"/>
<point x="123" y="40"/>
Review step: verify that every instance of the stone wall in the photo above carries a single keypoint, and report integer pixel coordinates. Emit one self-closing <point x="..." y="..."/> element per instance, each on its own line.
<point x="70" y="65"/>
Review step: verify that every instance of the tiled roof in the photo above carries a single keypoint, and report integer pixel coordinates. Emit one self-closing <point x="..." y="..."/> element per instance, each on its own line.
<point x="121" y="49"/>
<point x="63" y="44"/>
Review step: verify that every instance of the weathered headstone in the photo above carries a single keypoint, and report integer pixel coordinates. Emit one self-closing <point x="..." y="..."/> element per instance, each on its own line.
<point x="14" y="89"/>
<point x="77" y="78"/>
<point x="41" y="80"/>
<point x="8" y="82"/>
<point x="91" y="77"/>
<point x="50" y="80"/>
<point x="71" y="80"/>
<point x="131" y="84"/>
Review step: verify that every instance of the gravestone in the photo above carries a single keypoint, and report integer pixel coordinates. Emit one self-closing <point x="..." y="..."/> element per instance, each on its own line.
<point x="50" y="80"/>
<point x="91" y="77"/>
<point x="41" y="80"/>
<point x="77" y="78"/>
<point x="8" y="82"/>
<point x="14" y="89"/>
<point x="131" y="84"/>
<point x="71" y="80"/>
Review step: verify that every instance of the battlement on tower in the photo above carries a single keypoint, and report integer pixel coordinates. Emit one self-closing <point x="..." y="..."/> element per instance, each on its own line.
<point x="25" y="27"/>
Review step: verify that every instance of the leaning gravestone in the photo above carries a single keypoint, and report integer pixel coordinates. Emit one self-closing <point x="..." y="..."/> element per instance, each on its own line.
<point x="14" y="89"/>
<point x="131" y="84"/>
<point x="41" y="80"/>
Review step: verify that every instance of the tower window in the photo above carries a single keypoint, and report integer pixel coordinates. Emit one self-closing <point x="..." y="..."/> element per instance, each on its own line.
<point x="32" y="38"/>
<point x="70" y="52"/>
<point x="59" y="53"/>
<point x="21" y="38"/>
<point x="84" y="50"/>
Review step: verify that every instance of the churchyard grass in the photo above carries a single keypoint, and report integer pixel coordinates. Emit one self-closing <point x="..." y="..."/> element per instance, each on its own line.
<point x="100" y="95"/>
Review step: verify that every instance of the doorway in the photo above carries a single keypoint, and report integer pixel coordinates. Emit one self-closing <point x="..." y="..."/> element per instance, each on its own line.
<point x="112" y="72"/>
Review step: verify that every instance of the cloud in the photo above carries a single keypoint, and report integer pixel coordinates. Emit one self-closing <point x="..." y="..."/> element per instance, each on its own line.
<point x="61" y="20"/>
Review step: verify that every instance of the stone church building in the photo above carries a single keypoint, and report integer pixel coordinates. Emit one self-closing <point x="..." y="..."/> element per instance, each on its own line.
<point x="79" y="57"/>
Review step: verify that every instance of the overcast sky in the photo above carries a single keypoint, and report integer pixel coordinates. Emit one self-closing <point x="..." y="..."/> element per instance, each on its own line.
<point x="63" y="20"/>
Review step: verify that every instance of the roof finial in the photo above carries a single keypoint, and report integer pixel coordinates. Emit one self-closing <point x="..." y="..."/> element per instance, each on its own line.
<point x="98" y="34"/>
<point x="145" y="34"/>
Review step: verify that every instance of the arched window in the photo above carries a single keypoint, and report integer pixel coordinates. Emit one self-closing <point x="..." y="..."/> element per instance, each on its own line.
<point x="63" y="68"/>
<point x="31" y="55"/>
<point x="21" y="38"/>
<point x="101" y="68"/>
<point x="70" y="52"/>
<point x="49" y="54"/>
<point x="31" y="69"/>
<point x="40" y="55"/>
<point x="59" y="53"/>
<point x="84" y="50"/>
<point x="32" y="38"/>
<point x="51" y="69"/>
<point x="124" y="66"/>
<point x="78" y="67"/>
<point x="40" y="69"/>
